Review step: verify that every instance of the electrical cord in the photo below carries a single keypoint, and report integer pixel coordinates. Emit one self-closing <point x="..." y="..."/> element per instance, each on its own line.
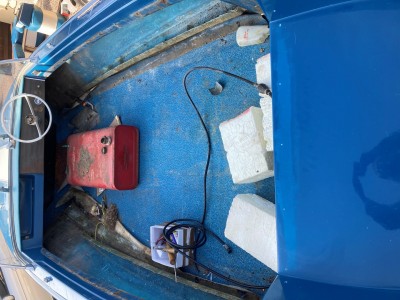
<point x="198" y="227"/>
<point x="262" y="88"/>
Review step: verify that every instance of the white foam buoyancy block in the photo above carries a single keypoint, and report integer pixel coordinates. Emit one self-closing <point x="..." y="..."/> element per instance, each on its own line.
<point x="268" y="131"/>
<point x="245" y="146"/>
<point x="263" y="70"/>
<point x="251" y="225"/>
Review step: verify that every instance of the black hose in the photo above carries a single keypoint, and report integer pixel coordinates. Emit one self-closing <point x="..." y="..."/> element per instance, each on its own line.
<point x="199" y="230"/>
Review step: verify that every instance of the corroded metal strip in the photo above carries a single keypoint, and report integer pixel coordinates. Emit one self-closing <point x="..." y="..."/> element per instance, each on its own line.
<point x="207" y="36"/>
<point x="167" y="44"/>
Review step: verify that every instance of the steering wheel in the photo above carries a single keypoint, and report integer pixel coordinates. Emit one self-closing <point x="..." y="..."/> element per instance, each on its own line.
<point x="31" y="119"/>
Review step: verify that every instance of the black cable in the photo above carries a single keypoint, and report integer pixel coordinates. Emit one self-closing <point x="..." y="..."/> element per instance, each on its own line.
<point x="198" y="227"/>
<point x="262" y="88"/>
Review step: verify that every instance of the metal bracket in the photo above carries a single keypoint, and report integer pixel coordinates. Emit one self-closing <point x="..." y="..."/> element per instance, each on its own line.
<point x="11" y="141"/>
<point x="4" y="189"/>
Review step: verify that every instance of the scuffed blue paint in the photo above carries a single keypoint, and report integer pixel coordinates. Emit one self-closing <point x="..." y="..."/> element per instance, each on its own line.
<point x="15" y="173"/>
<point x="122" y="277"/>
<point x="94" y="20"/>
<point x="139" y="34"/>
<point x="5" y="215"/>
<point x="173" y="146"/>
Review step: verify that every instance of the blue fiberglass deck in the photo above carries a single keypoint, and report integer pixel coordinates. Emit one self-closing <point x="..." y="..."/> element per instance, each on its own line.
<point x="336" y="130"/>
<point x="173" y="147"/>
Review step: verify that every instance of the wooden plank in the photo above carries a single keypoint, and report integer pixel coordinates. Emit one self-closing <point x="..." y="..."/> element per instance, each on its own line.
<point x="5" y="41"/>
<point x="32" y="155"/>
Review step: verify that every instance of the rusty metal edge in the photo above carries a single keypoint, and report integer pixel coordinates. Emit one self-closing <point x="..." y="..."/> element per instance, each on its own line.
<point x="207" y="36"/>
<point x="167" y="44"/>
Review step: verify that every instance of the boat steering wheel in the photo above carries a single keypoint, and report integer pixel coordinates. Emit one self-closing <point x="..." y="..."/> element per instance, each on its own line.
<point x="31" y="119"/>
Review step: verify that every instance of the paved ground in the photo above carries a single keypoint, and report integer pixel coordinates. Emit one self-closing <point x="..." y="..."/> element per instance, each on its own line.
<point x="53" y="5"/>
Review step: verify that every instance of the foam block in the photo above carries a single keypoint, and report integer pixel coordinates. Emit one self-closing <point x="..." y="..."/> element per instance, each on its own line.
<point x="251" y="225"/>
<point x="244" y="143"/>
<point x="266" y="107"/>
<point x="263" y="70"/>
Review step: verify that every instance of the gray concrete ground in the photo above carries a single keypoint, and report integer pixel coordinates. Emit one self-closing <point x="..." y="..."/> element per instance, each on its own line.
<point x="53" y="5"/>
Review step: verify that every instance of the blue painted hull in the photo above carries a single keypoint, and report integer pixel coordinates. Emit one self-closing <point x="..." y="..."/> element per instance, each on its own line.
<point x="335" y="129"/>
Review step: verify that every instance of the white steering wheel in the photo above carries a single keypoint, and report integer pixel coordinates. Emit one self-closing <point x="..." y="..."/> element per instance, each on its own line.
<point x="32" y="119"/>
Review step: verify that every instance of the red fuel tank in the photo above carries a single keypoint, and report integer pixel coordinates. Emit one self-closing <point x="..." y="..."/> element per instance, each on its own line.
<point x="106" y="158"/>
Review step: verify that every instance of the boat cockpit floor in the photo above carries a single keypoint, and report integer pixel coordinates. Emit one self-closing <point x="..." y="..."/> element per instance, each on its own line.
<point x="173" y="147"/>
